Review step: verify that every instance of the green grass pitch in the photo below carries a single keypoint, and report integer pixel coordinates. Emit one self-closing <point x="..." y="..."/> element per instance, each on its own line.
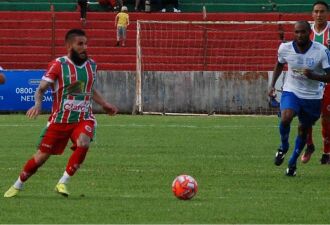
<point x="128" y="173"/>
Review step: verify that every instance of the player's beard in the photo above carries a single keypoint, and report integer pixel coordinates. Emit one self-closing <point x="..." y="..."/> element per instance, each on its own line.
<point x="77" y="58"/>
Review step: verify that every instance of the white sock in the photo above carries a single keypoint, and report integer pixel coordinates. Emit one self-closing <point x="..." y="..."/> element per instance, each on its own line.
<point x="65" y="178"/>
<point x="19" y="184"/>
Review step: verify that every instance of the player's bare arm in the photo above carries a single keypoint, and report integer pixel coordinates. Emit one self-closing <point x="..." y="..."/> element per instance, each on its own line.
<point x="109" y="108"/>
<point x="319" y="77"/>
<point x="2" y="78"/>
<point x="35" y="110"/>
<point x="277" y="72"/>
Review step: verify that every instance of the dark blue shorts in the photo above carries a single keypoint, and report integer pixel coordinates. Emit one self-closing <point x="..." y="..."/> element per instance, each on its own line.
<point x="307" y="110"/>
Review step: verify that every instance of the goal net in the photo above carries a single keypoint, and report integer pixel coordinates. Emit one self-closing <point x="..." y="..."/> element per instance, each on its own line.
<point x="207" y="67"/>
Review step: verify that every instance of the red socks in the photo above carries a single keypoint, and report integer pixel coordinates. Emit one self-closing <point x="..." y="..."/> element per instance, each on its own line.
<point x="29" y="169"/>
<point x="77" y="158"/>
<point x="326" y="136"/>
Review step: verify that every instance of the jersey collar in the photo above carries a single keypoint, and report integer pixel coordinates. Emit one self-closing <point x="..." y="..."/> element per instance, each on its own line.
<point x="296" y="49"/>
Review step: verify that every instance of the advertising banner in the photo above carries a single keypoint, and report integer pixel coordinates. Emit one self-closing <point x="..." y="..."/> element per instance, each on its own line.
<point x="17" y="94"/>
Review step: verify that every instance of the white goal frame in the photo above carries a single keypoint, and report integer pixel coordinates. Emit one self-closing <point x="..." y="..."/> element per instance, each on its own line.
<point x="138" y="105"/>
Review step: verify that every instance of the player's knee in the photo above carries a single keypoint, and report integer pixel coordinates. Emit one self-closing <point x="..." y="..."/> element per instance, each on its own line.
<point x="83" y="141"/>
<point x="286" y="117"/>
<point x="325" y="118"/>
<point x="303" y="130"/>
<point x="40" y="157"/>
<point x="286" y="121"/>
<point x="83" y="144"/>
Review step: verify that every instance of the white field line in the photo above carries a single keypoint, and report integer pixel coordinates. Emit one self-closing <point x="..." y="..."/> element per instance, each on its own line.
<point x="162" y="126"/>
<point x="232" y="127"/>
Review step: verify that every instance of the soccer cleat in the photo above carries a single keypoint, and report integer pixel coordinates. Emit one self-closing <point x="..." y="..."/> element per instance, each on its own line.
<point x="62" y="189"/>
<point x="325" y="159"/>
<point x="12" y="192"/>
<point x="279" y="157"/>
<point x="308" y="153"/>
<point x="291" y="171"/>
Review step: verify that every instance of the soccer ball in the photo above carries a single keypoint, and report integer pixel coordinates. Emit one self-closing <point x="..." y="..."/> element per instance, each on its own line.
<point x="184" y="187"/>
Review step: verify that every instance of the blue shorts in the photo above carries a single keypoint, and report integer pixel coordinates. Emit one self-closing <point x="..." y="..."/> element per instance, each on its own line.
<point x="307" y="110"/>
<point x="121" y="32"/>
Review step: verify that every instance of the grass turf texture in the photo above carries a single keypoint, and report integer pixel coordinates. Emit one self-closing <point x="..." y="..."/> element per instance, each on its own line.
<point x="128" y="173"/>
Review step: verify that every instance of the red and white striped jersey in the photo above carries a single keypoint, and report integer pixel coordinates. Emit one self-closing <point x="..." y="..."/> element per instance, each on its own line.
<point x="322" y="37"/>
<point x="72" y="89"/>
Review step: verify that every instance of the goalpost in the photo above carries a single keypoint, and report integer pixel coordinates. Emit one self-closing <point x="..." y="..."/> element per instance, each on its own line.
<point x="206" y="67"/>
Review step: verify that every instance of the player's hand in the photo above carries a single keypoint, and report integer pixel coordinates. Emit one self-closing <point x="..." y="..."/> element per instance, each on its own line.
<point x="110" y="109"/>
<point x="271" y="92"/>
<point x="308" y="73"/>
<point x="33" y="112"/>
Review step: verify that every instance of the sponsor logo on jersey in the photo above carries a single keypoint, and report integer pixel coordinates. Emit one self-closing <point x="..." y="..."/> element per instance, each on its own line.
<point x="88" y="128"/>
<point x="310" y="62"/>
<point x="76" y="105"/>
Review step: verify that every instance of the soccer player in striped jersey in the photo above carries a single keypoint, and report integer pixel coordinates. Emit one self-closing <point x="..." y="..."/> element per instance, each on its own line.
<point x="71" y="79"/>
<point x="320" y="34"/>
<point x="308" y="66"/>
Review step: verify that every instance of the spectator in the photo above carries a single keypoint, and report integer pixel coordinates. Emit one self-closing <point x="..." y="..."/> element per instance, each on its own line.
<point x="164" y="3"/>
<point x="118" y="4"/>
<point x="121" y="22"/>
<point x="83" y="10"/>
<point x="109" y="4"/>
<point x="137" y="5"/>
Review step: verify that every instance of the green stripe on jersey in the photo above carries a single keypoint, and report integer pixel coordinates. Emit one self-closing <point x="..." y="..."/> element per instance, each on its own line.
<point x="66" y="82"/>
<point x="319" y="38"/>
<point x="83" y="78"/>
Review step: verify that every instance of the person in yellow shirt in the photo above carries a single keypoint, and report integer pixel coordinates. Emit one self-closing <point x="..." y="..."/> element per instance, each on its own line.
<point x="121" y="22"/>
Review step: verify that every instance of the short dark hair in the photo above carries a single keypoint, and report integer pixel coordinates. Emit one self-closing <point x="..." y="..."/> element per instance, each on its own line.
<point x="321" y="3"/>
<point x="306" y="23"/>
<point x="74" y="33"/>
